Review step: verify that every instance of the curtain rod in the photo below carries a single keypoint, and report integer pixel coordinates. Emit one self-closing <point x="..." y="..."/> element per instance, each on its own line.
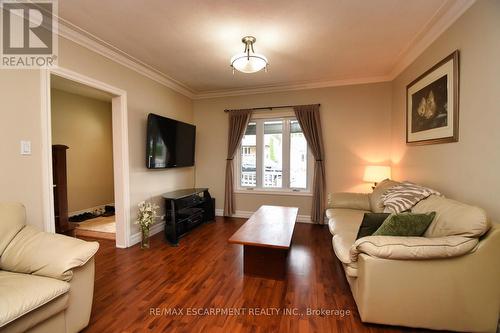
<point x="270" y="107"/>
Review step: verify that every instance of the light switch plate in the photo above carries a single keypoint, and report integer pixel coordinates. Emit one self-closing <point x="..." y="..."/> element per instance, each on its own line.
<point x="25" y="147"/>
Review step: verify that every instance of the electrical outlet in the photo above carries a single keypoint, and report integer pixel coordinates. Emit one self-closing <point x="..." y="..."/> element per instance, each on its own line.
<point x="25" y="147"/>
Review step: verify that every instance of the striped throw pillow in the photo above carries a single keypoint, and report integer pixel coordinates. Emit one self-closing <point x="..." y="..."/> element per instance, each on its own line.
<point x="404" y="196"/>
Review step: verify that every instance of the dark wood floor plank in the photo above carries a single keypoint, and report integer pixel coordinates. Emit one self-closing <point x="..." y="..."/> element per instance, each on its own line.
<point x="205" y="271"/>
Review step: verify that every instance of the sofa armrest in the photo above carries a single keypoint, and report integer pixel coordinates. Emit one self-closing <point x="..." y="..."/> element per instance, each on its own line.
<point x="412" y="248"/>
<point x="45" y="254"/>
<point x="81" y="294"/>
<point x="347" y="200"/>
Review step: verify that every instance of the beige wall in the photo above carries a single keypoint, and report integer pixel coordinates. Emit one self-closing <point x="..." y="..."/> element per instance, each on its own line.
<point x="356" y="131"/>
<point x="84" y="125"/>
<point x="20" y="176"/>
<point x="466" y="170"/>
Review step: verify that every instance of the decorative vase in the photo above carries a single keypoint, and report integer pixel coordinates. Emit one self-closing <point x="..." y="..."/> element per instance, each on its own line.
<point x="145" y="238"/>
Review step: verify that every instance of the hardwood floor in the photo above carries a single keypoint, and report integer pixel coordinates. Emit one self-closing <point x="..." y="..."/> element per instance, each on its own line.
<point x="156" y="290"/>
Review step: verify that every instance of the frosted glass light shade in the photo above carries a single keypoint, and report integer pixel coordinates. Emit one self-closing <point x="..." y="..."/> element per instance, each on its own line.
<point x="376" y="173"/>
<point x="249" y="63"/>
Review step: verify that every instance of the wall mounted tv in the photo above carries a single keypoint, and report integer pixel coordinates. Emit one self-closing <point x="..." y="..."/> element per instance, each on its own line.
<point x="170" y="143"/>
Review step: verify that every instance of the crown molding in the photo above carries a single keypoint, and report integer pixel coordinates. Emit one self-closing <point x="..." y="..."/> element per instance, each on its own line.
<point x="84" y="38"/>
<point x="449" y="12"/>
<point x="289" y="87"/>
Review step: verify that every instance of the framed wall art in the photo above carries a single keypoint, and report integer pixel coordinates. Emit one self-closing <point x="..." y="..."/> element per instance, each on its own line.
<point x="432" y="104"/>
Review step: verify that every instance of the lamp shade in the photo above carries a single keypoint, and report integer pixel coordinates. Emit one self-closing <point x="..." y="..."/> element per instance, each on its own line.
<point x="376" y="173"/>
<point x="249" y="63"/>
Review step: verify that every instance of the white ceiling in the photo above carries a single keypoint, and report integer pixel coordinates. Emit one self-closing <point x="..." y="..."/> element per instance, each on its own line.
<point x="306" y="42"/>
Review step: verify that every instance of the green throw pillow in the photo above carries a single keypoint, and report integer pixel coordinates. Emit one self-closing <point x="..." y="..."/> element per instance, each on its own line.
<point x="371" y="222"/>
<point x="405" y="224"/>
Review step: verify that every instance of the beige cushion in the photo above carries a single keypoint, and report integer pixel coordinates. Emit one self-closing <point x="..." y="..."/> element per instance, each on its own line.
<point x="41" y="253"/>
<point x="413" y="248"/>
<point x="453" y="218"/>
<point x="22" y="293"/>
<point x="12" y="220"/>
<point x="351" y="200"/>
<point x="375" y="198"/>
<point x="46" y="318"/>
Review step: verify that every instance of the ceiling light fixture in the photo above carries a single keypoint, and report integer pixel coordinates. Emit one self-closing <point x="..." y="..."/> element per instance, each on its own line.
<point x="249" y="62"/>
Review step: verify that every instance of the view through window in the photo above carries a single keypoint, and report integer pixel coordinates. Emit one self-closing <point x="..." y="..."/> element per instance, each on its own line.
<point x="249" y="156"/>
<point x="274" y="155"/>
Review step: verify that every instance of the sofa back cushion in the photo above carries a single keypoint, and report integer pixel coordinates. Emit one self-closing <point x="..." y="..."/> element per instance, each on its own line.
<point x="453" y="218"/>
<point x="12" y="220"/>
<point x="375" y="198"/>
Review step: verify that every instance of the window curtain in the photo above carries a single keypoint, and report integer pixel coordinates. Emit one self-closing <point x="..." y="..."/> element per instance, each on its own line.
<point x="309" y="120"/>
<point x="238" y="121"/>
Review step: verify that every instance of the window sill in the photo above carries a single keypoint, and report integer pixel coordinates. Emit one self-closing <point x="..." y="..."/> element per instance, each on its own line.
<point x="273" y="192"/>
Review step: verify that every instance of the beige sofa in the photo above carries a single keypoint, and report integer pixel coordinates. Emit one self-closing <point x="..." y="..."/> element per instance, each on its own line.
<point x="447" y="280"/>
<point x="46" y="280"/>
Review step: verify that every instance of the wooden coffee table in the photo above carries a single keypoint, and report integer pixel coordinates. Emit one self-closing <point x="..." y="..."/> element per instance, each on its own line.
<point x="266" y="238"/>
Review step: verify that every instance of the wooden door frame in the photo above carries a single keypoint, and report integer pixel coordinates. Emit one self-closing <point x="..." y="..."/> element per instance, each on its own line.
<point x="120" y="151"/>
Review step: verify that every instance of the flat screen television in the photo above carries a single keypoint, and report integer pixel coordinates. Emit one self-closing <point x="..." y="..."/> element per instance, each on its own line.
<point x="170" y="143"/>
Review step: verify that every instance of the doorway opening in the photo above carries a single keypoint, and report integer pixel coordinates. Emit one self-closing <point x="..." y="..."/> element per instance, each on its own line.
<point x="82" y="159"/>
<point x="85" y="157"/>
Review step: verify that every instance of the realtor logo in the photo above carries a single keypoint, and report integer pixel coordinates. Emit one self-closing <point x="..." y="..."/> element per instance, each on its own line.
<point x="28" y="34"/>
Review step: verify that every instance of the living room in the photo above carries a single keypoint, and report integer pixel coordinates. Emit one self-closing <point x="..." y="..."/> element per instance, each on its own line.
<point x="297" y="112"/>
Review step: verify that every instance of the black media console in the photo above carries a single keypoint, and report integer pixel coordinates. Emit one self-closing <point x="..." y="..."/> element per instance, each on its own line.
<point x="186" y="209"/>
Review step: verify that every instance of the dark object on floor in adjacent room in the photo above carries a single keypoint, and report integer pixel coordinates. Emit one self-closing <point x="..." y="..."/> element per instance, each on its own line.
<point x="82" y="217"/>
<point x="108" y="211"/>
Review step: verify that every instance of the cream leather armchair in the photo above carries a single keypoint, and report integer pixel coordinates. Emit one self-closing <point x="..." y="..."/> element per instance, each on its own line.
<point x="46" y="280"/>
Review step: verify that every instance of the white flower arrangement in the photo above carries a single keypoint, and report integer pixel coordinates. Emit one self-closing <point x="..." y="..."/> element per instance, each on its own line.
<point x="147" y="214"/>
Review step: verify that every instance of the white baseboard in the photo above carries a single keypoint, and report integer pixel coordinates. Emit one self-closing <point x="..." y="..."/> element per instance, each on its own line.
<point x="159" y="227"/>
<point x="89" y="210"/>
<point x="246" y="214"/>
<point x="156" y="228"/>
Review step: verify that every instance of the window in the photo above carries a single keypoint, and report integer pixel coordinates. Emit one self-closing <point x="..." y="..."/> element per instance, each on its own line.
<point x="298" y="156"/>
<point x="248" y="159"/>
<point x="274" y="156"/>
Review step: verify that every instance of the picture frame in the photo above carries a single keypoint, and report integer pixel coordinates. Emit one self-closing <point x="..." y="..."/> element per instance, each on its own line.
<point x="432" y="104"/>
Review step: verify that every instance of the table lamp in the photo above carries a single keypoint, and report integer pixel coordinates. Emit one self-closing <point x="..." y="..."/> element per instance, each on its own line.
<point x="376" y="173"/>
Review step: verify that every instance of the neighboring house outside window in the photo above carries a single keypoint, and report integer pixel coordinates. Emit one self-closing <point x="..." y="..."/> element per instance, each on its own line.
<point x="274" y="156"/>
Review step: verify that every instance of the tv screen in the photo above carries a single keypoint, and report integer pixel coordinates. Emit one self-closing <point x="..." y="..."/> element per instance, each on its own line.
<point x="170" y="143"/>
